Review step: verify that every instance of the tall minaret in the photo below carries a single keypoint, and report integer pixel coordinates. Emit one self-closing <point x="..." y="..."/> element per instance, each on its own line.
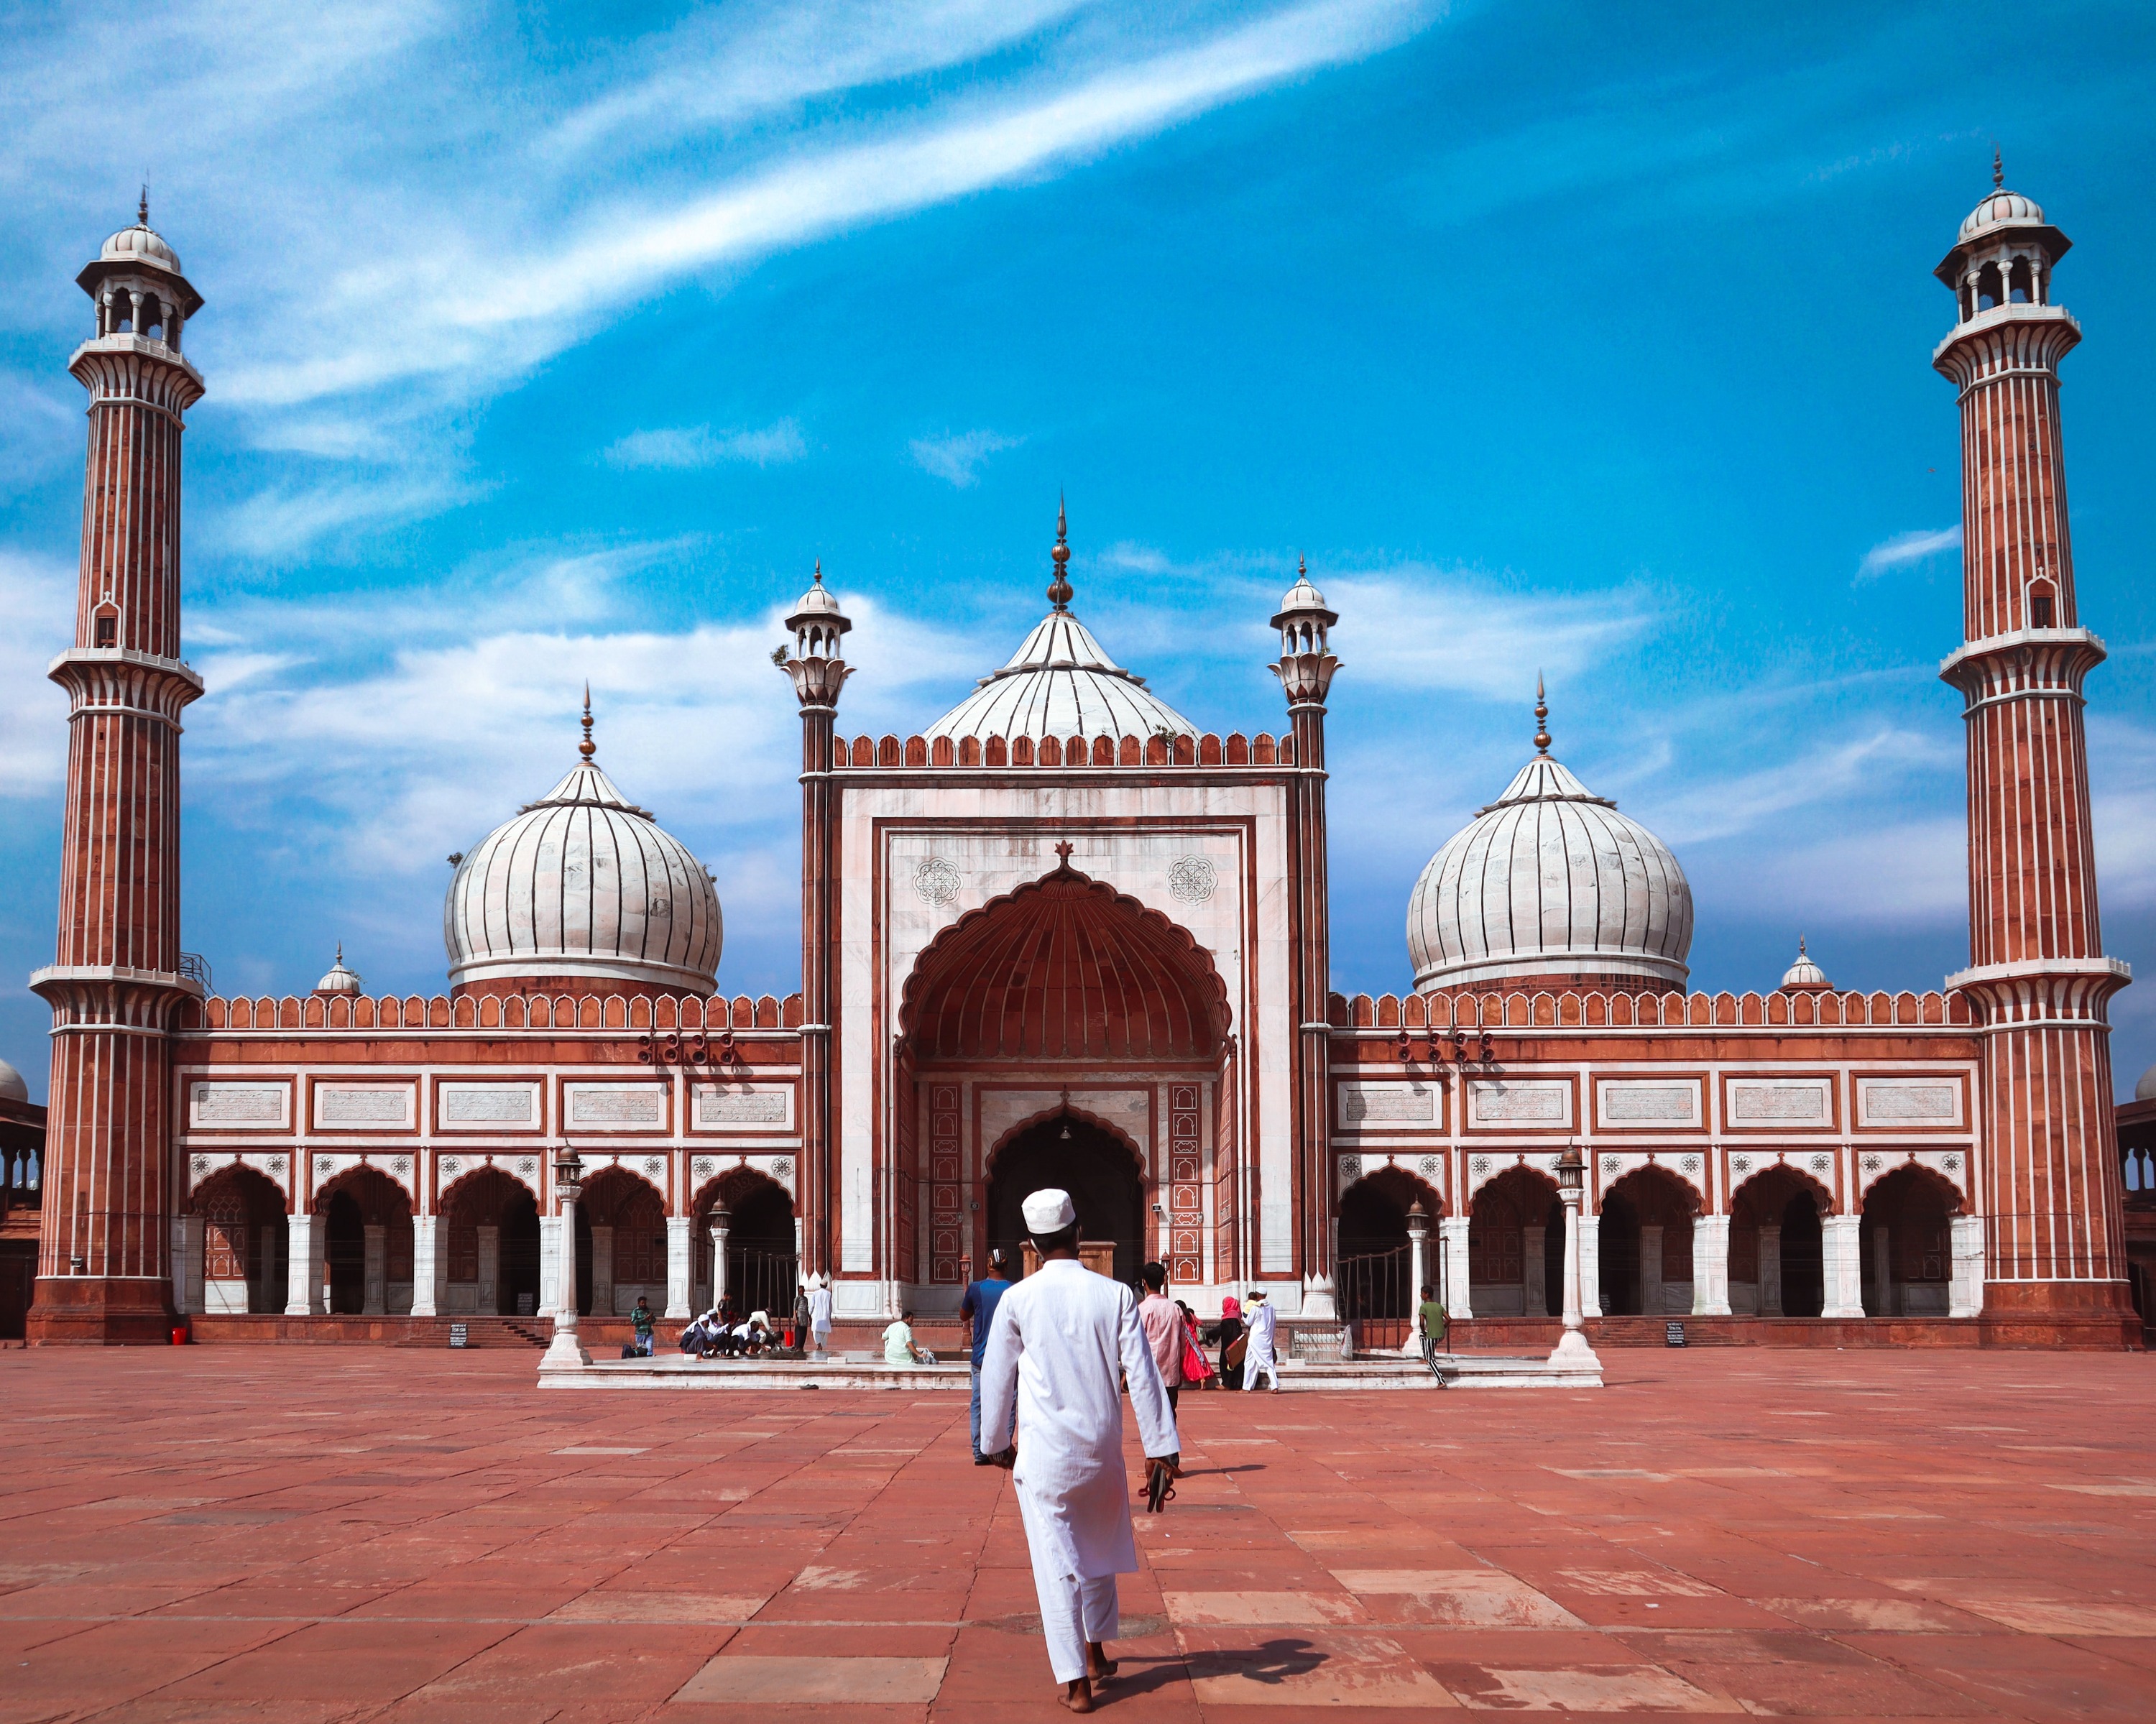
<point x="105" y="1259"/>
<point x="2037" y="977"/>
<point x="818" y="671"/>
<point x="1305" y="668"/>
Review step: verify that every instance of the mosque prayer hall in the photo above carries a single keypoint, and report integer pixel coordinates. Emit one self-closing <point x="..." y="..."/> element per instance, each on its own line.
<point x="1062" y="936"/>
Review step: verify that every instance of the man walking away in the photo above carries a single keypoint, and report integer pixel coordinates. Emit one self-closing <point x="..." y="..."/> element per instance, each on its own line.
<point x="980" y="1304"/>
<point x="1162" y="1323"/>
<point x="1060" y="1337"/>
<point x="819" y="1316"/>
<point x="1432" y="1321"/>
<point x="1259" y="1360"/>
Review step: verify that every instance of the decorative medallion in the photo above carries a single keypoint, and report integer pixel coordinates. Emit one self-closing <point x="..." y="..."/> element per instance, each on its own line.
<point x="937" y="879"/>
<point x="1952" y="1163"/>
<point x="1872" y="1164"/>
<point x="706" y="1167"/>
<point x="782" y="1167"/>
<point x="655" y="1165"/>
<point x="1741" y="1164"/>
<point x="450" y="1164"/>
<point x="527" y="1167"/>
<point x="1191" y="878"/>
<point x="1690" y="1164"/>
<point x="323" y="1165"/>
<point x="402" y="1164"/>
<point x="277" y="1164"/>
<point x="1610" y="1164"/>
<point x="1821" y="1164"/>
<point x="201" y="1166"/>
<point x="1479" y="1167"/>
<point x="1429" y="1166"/>
<point x="1350" y="1167"/>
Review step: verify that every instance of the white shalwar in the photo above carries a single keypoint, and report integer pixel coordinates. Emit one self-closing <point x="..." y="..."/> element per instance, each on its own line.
<point x="1258" y="1357"/>
<point x="1060" y="1336"/>
<point x="819" y="1312"/>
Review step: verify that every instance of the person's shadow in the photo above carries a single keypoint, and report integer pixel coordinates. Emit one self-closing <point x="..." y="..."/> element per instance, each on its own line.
<point x="1269" y="1664"/>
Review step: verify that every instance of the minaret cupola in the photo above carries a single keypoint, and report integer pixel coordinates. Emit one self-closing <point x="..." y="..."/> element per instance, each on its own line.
<point x="1306" y="664"/>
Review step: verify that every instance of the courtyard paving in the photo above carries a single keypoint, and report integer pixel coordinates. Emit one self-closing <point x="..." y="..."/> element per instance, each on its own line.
<point x="317" y="1533"/>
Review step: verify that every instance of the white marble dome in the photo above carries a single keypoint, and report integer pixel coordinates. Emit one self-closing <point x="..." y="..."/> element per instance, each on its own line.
<point x="2145" y="1091"/>
<point x="2000" y="209"/>
<point x="1550" y="880"/>
<point x="140" y="244"/>
<point x="340" y="979"/>
<point x="12" y="1086"/>
<point x="583" y="883"/>
<point x="1805" y="976"/>
<point x="1060" y="683"/>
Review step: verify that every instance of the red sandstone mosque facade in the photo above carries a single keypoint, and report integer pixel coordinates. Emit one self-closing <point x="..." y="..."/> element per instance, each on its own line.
<point x="1061" y="937"/>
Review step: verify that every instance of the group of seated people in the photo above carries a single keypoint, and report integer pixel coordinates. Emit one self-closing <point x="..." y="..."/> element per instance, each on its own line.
<point x="721" y="1333"/>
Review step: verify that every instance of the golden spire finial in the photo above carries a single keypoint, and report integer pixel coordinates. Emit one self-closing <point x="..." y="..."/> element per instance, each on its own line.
<point x="1058" y="589"/>
<point x="142" y="209"/>
<point x="588" y="748"/>
<point x="1542" y="717"/>
<point x="1998" y="168"/>
<point x="819" y="572"/>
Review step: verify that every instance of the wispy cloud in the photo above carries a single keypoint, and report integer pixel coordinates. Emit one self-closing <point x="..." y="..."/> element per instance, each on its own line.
<point x="1906" y="548"/>
<point x="694" y="446"/>
<point x="284" y="519"/>
<point x="1713" y="806"/>
<point x="958" y="458"/>
<point x="37" y="597"/>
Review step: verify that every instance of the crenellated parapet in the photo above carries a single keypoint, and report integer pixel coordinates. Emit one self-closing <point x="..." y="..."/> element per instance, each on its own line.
<point x="513" y="1012"/>
<point x="1594" y="1010"/>
<point x="1234" y="750"/>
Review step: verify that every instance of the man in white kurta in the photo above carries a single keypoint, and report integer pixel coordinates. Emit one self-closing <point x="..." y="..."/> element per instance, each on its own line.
<point x="1061" y="1335"/>
<point x="1259" y="1359"/>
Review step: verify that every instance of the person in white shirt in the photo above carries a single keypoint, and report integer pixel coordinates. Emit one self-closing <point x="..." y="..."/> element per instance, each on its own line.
<point x="1258" y="1358"/>
<point x="819" y="1315"/>
<point x="1059" y="1339"/>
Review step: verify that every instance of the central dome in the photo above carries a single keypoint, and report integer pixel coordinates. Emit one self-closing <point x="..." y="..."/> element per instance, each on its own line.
<point x="1550" y="884"/>
<point x="1060" y="683"/>
<point x="581" y="890"/>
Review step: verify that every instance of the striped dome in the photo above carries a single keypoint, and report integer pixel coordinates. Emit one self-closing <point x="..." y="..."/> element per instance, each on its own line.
<point x="1550" y="881"/>
<point x="582" y="884"/>
<point x="1060" y="683"/>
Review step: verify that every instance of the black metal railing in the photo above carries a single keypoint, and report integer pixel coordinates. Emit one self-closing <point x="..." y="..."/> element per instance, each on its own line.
<point x="1375" y="1294"/>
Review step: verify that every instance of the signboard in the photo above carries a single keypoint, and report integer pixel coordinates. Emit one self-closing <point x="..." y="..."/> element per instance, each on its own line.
<point x="1676" y="1333"/>
<point x="459" y="1335"/>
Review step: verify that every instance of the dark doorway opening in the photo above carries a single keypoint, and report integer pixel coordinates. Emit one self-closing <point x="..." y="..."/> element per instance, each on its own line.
<point x="347" y="1252"/>
<point x="1803" y="1259"/>
<point x="1094" y="1165"/>
<point x="520" y="1254"/>
<point x="1619" y="1238"/>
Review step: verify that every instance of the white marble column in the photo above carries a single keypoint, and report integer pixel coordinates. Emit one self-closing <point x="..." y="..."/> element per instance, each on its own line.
<point x="1770" y="1269"/>
<point x="489" y="1303"/>
<point x="1534" y="1273"/>
<point x="304" y="1245"/>
<point x="427" y="1265"/>
<point x="1651" y="1270"/>
<point x="1459" y="1298"/>
<point x="1965" y="1293"/>
<point x="565" y="1349"/>
<point x="550" y="1266"/>
<point x="1709" y="1266"/>
<point x="721" y="1223"/>
<point x="187" y="1264"/>
<point x="1843" y="1251"/>
<point x="374" y="1275"/>
<point x="1590" y="1265"/>
<point x="680" y="1236"/>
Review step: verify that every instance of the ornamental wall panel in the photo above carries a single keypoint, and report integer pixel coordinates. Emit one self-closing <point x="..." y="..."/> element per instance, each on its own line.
<point x="1533" y="1105"/>
<point x="617" y="1107"/>
<point x="527" y="1170"/>
<point x="1656" y="1104"/>
<point x="202" y="1166"/>
<point x="392" y="1105"/>
<point x="1822" y="1165"/>
<point x="780" y="1169"/>
<point x="1951" y="1165"/>
<point x="1803" y="1102"/>
<point x="400" y="1167"/>
<point x="1406" y="1105"/>
<point x="259" y="1105"/>
<point x="1487" y="1165"/>
<point x="1691" y="1165"/>
<point x="1434" y="1170"/>
<point x="507" y="1106"/>
<point x="742" y="1107"/>
<point x="1917" y="1102"/>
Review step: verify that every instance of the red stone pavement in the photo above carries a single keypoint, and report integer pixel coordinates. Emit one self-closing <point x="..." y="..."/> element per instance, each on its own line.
<point x="308" y="1533"/>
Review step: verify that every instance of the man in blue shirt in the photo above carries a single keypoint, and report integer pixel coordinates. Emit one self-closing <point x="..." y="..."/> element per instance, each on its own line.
<point x="980" y="1304"/>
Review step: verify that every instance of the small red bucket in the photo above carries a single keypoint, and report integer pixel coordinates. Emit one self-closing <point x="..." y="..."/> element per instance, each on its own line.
<point x="179" y="1335"/>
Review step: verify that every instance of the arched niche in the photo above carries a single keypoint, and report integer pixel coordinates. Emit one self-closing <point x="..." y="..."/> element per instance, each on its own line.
<point x="366" y="1219"/>
<point x="1515" y="1246"/>
<point x="244" y="1240"/>
<point x="1906" y="1243"/>
<point x="764" y="1264"/>
<point x="621" y="1243"/>
<point x="490" y="1242"/>
<point x="1644" y="1243"/>
<point x="1777" y="1249"/>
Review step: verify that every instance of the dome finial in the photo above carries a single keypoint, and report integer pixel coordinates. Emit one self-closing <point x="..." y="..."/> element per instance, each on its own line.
<point x="1998" y="168"/>
<point x="588" y="748"/>
<point x="1542" y="717"/>
<point x="1058" y="589"/>
<point x="142" y="208"/>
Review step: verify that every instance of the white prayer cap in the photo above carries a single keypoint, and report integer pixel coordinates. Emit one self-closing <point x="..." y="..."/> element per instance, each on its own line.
<point x="1047" y="1212"/>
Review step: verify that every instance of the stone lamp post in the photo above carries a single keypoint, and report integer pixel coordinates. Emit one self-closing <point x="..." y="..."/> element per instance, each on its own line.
<point x="565" y="1349"/>
<point x="1572" y="1352"/>
<point x="722" y="1220"/>
<point x="1418" y="1262"/>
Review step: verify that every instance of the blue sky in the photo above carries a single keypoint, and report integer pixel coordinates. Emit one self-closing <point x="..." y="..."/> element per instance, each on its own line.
<point x="557" y="343"/>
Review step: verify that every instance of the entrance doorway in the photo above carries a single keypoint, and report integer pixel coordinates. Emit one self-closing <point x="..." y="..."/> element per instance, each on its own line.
<point x="1091" y="1162"/>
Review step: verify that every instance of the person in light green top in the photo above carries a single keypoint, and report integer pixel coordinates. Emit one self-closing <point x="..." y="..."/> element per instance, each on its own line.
<point x="898" y="1348"/>
<point x="1431" y="1322"/>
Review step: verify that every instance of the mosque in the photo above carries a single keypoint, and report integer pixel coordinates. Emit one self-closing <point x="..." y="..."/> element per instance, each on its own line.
<point x="1060" y="936"/>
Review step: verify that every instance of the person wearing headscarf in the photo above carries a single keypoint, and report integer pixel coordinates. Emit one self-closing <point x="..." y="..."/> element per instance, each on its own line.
<point x="1227" y="1332"/>
<point x="1060" y="1339"/>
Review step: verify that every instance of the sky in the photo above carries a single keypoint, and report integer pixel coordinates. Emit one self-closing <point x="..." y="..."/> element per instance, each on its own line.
<point x="554" y="343"/>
